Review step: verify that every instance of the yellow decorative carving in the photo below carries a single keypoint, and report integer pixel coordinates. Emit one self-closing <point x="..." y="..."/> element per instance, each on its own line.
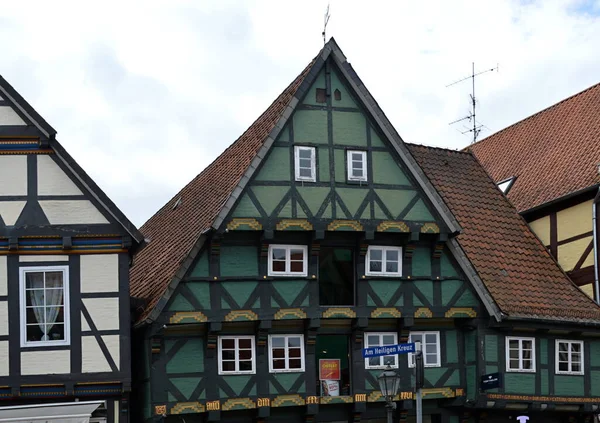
<point x="312" y="400"/>
<point x="430" y="228"/>
<point x="187" y="407"/>
<point x="188" y="317"/>
<point x="374" y="396"/>
<point x="454" y="311"/>
<point x="287" y="400"/>
<point x="336" y="400"/>
<point x="241" y="315"/>
<point x="352" y="225"/>
<point x="160" y="409"/>
<point x="339" y="312"/>
<point x="405" y="396"/>
<point x="392" y="226"/>
<point x="263" y="402"/>
<point x="423" y="312"/>
<point x="302" y="224"/>
<point x="238" y="403"/>
<point x="290" y="313"/>
<point x="445" y="392"/>
<point x="382" y="312"/>
<point x="240" y="222"/>
<point x="459" y="392"/>
<point x="213" y="405"/>
<point x="544" y="398"/>
<point x="360" y="397"/>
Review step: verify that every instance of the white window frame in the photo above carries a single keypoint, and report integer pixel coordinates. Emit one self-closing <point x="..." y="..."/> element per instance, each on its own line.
<point x="313" y="163"/>
<point x="384" y="249"/>
<point x="351" y="176"/>
<point x="367" y="345"/>
<point x="570" y="362"/>
<point x="287" y="357"/>
<point x="237" y="370"/>
<point x="288" y="271"/>
<point x="23" y="303"/>
<point x="438" y="353"/>
<point x="507" y="352"/>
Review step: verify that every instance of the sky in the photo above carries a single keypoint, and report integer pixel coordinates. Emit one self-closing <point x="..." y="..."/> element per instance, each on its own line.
<point x="144" y="95"/>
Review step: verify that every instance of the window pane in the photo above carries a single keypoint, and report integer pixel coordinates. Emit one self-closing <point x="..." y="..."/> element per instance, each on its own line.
<point x="278" y="353"/>
<point x="295" y="353"/>
<point x="376" y="254"/>
<point x="391" y="255"/>
<point x="295" y="364"/>
<point x="388" y="340"/>
<point x="305" y="173"/>
<point x="416" y="337"/>
<point x="563" y="356"/>
<point x="356" y="157"/>
<point x="389" y="360"/>
<point x="576" y="347"/>
<point x="431" y="338"/>
<point x="228" y="366"/>
<point x="245" y="366"/>
<point x="304" y="153"/>
<point x="576" y="367"/>
<point x="431" y="349"/>
<point x="54" y="279"/>
<point x="391" y="267"/>
<point x="277" y="341"/>
<point x="358" y="173"/>
<point x="513" y="354"/>
<point x="55" y="332"/>
<point x="54" y="315"/>
<point x="278" y="266"/>
<point x="245" y="343"/>
<point x="34" y="333"/>
<point x="227" y="354"/>
<point x="34" y="280"/>
<point x="297" y="267"/>
<point x="294" y="341"/>
<point x="527" y="364"/>
<point x="430" y="359"/>
<point x="54" y="297"/>
<point x="527" y="345"/>
<point x="279" y="364"/>
<point x="296" y="254"/>
<point x="563" y="347"/>
<point x="514" y="364"/>
<point x="374" y="361"/>
<point x="563" y="367"/>
<point x="278" y="253"/>
<point x="374" y="266"/>
<point x="372" y="340"/>
<point x="513" y="344"/>
<point x="526" y="354"/>
<point x="228" y="343"/>
<point x="245" y="355"/>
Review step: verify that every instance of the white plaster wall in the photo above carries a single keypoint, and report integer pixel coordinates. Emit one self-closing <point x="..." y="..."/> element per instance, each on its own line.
<point x="104" y="312"/>
<point x="13" y="175"/>
<point x="4" y="318"/>
<point x="3" y="276"/>
<point x="45" y="362"/>
<point x="99" y="273"/>
<point x="4" y="369"/>
<point x="33" y="259"/>
<point x="52" y="180"/>
<point x="9" y="117"/>
<point x="71" y="212"/>
<point x="11" y="210"/>
<point x="92" y="358"/>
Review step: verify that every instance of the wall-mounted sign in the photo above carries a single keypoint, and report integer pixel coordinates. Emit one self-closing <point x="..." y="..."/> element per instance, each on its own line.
<point x="490" y="381"/>
<point x="329" y="369"/>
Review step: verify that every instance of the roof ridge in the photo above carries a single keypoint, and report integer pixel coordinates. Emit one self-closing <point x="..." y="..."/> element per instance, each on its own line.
<point x="535" y="114"/>
<point x="433" y="147"/>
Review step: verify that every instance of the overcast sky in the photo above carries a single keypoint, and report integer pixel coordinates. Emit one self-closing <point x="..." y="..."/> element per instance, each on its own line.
<point x="145" y="94"/>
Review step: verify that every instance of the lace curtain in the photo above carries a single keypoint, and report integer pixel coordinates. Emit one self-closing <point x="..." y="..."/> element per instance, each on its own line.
<point x="46" y="302"/>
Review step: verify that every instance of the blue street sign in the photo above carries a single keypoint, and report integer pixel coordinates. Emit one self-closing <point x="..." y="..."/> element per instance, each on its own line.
<point x="388" y="350"/>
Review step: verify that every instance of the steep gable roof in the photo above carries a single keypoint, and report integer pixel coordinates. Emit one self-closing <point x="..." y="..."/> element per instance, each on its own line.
<point x="208" y="198"/>
<point x="519" y="273"/>
<point x="552" y="154"/>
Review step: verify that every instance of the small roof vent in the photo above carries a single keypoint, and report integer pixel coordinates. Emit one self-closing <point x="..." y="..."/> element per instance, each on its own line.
<point x="177" y="203"/>
<point x="506" y="184"/>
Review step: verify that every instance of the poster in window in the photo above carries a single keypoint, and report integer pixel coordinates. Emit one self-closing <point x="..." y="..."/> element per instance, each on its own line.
<point x="329" y="369"/>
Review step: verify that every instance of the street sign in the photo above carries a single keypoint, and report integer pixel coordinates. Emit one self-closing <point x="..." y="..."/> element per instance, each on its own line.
<point x="388" y="350"/>
<point x="490" y="381"/>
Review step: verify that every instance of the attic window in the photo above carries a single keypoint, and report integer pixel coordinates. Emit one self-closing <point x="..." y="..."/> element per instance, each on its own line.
<point x="321" y="95"/>
<point x="506" y="184"/>
<point x="177" y="203"/>
<point x="337" y="95"/>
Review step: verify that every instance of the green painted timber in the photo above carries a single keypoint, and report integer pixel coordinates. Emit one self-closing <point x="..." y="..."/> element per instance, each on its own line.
<point x="595" y="383"/>
<point x="545" y="385"/>
<point x="467" y="299"/>
<point x="287" y="380"/>
<point x="352" y="198"/>
<point x="201" y="268"/>
<point x="395" y="200"/>
<point x="289" y="291"/>
<point x="433" y="374"/>
<point x="451" y="347"/>
<point x="453" y="379"/>
<point x="568" y="385"/>
<point x="379" y="214"/>
<point x="419" y="212"/>
<point x="472" y="382"/>
<point x="245" y="208"/>
<point x="519" y="383"/>
<point x="147" y="407"/>
<point x="240" y="291"/>
<point x="179" y="303"/>
<point x="376" y="140"/>
<point x="594" y="353"/>
<point x="425" y="288"/>
<point x="386" y="169"/>
<point x="449" y="288"/>
<point x="346" y="99"/>
<point x="470" y="347"/>
<point x="311" y="96"/>
<point x="310" y="126"/>
<point x="446" y="265"/>
<point x="323" y="162"/>
<point x="385" y="289"/>
<point x="339" y="161"/>
<point x="453" y="419"/>
<point x="200" y="291"/>
<point x="276" y="167"/>
<point x="239" y="260"/>
<point x="270" y="196"/>
<point x="313" y="197"/>
<point x="284" y="135"/>
<point x="349" y="128"/>
<point x="237" y="383"/>
<point x="187" y="385"/>
<point x="189" y="358"/>
<point x="543" y="351"/>
<point x="491" y="348"/>
<point x="491" y="369"/>
<point x="421" y="262"/>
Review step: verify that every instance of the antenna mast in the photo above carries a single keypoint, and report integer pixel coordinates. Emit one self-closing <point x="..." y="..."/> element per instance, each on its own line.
<point x="325" y="21"/>
<point x="471" y="116"/>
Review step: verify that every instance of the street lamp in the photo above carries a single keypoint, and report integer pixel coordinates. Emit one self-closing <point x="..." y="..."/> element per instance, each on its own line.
<point x="389" y="382"/>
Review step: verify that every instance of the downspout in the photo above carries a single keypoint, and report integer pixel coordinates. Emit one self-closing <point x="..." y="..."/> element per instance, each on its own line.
<point x="596" y="249"/>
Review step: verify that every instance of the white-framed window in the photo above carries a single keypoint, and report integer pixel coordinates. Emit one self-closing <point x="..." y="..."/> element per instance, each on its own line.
<point x="44" y="304"/>
<point x="286" y="353"/>
<point x="306" y="164"/>
<point x="569" y="357"/>
<point x="379" y="340"/>
<point x="357" y="165"/>
<point x="236" y="355"/>
<point x="430" y="345"/>
<point x="520" y="354"/>
<point x="384" y="261"/>
<point x="288" y="260"/>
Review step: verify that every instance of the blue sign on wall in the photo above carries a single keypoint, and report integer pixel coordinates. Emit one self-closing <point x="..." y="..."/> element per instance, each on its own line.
<point x="388" y="350"/>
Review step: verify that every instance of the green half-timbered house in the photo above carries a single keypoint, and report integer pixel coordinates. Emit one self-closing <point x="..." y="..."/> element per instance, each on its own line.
<point x="320" y="232"/>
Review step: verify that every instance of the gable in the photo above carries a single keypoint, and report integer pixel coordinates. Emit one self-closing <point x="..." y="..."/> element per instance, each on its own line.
<point x="331" y="119"/>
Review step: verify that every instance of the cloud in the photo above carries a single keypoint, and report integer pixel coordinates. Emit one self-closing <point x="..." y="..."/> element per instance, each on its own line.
<point x="144" y="97"/>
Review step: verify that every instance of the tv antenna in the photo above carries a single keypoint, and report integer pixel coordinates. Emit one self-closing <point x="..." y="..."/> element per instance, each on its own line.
<point x="471" y="116"/>
<point x="325" y="21"/>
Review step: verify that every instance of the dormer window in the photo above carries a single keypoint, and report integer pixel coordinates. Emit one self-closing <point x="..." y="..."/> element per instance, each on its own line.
<point x="357" y="165"/>
<point x="506" y="184"/>
<point x="305" y="163"/>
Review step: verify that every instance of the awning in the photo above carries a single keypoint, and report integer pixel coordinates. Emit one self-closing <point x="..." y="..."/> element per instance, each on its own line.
<point x="64" y="412"/>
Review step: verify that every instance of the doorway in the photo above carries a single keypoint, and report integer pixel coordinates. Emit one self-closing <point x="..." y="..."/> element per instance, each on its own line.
<point x="335" y="353"/>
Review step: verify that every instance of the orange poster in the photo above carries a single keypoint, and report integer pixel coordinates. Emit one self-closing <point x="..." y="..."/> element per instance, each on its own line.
<point x="329" y="369"/>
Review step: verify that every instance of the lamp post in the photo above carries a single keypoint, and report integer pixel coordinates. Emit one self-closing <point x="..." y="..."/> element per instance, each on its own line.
<point x="389" y="382"/>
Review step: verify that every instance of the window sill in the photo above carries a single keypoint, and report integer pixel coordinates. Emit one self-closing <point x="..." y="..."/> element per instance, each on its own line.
<point x="45" y="347"/>
<point x="236" y="373"/>
<point x="519" y="371"/>
<point x="287" y="275"/>
<point x="384" y="275"/>
<point x="286" y="371"/>
<point x="571" y="373"/>
<point x="381" y="367"/>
